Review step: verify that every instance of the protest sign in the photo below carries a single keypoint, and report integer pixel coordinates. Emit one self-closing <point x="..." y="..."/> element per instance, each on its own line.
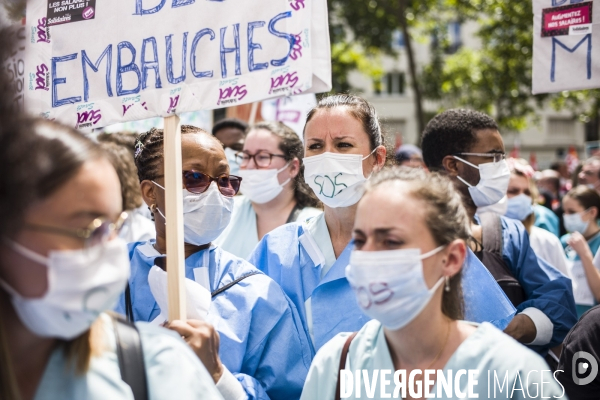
<point x="563" y="53"/>
<point x="90" y="64"/>
<point x="14" y="67"/>
<point x="291" y="110"/>
<point x="130" y="60"/>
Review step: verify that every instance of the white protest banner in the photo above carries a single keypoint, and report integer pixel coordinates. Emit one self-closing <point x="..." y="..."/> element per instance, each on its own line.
<point x="14" y="67"/>
<point x="289" y="110"/>
<point x="113" y="61"/>
<point x="564" y="55"/>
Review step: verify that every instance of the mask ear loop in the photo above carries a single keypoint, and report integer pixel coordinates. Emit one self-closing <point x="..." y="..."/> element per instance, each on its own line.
<point x="469" y="164"/>
<point x="282" y="169"/>
<point x="25" y="252"/>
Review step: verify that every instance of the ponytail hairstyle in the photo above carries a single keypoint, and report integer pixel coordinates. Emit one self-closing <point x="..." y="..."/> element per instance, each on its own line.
<point x="292" y="148"/>
<point x="445" y="217"/>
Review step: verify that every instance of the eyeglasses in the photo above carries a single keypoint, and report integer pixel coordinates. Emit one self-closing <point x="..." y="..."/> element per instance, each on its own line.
<point x="496" y="156"/>
<point x="262" y="159"/>
<point x="198" y="182"/>
<point x="99" y="231"/>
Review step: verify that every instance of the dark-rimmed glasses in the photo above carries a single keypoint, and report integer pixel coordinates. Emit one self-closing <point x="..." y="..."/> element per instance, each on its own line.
<point x="198" y="182"/>
<point x="99" y="231"/>
<point x="496" y="156"/>
<point x="262" y="159"/>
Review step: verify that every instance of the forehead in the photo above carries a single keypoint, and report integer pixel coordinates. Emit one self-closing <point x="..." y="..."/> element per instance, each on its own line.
<point x="569" y="202"/>
<point x="200" y="148"/>
<point x="334" y="122"/>
<point x="487" y="140"/>
<point x="592" y="165"/>
<point x="229" y="134"/>
<point x="261" y="139"/>
<point x="391" y="204"/>
<point x="518" y="180"/>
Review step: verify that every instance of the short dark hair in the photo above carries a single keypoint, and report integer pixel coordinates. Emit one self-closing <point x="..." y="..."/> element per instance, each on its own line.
<point x="452" y="132"/>
<point x="230" y="123"/>
<point x="149" y="151"/>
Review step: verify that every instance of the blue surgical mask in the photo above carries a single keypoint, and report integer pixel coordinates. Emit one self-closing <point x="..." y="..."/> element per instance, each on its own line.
<point x="234" y="167"/>
<point x="574" y="222"/>
<point x="519" y="207"/>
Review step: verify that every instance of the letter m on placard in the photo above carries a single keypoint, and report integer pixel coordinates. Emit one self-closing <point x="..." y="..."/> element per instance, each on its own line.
<point x="556" y="42"/>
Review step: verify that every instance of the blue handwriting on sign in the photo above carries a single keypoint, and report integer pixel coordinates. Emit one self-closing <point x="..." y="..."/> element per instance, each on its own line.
<point x="140" y="10"/>
<point x="141" y="66"/>
<point x="555" y="42"/>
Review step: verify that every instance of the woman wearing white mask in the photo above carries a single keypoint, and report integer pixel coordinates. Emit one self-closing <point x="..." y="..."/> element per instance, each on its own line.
<point x="261" y="352"/>
<point x="409" y="249"/>
<point x="344" y="146"/>
<point x="581" y="206"/>
<point x="273" y="188"/>
<point x="62" y="266"/>
<point x="520" y="206"/>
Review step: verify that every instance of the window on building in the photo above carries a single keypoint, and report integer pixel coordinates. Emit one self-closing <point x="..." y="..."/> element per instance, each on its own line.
<point x="393" y="83"/>
<point x="454" y="39"/>
<point x="561" y="130"/>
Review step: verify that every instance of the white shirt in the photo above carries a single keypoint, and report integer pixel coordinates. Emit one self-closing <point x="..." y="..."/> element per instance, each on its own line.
<point x="137" y="228"/>
<point x="317" y="228"/>
<point x="241" y="235"/>
<point x="548" y="247"/>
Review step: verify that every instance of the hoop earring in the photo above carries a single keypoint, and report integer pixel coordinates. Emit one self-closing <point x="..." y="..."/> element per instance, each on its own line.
<point x="447" y="288"/>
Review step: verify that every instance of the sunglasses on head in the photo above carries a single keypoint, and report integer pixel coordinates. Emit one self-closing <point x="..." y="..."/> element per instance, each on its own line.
<point x="198" y="182"/>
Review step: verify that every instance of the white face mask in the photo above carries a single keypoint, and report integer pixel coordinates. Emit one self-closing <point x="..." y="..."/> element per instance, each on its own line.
<point x="81" y="285"/>
<point x="574" y="222"/>
<point x="205" y="215"/>
<point x="336" y="179"/>
<point x="234" y="167"/>
<point x="389" y="285"/>
<point x="494" y="178"/>
<point x="519" y="207"/>
<point x="262" y="185"/>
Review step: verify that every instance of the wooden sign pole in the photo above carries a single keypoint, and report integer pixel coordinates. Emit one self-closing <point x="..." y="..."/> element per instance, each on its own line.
<point x="174" y="203"/>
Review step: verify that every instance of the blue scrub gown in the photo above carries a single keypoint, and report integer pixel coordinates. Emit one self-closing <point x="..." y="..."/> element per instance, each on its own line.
<point x="281" y="255"/>
<point x="262" y="341"/>
<point x="546" y="219"/>
<point x="545" y="287"/>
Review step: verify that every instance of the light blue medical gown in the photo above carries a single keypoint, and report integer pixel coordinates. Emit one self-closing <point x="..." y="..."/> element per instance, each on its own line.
<point x="282" y="256"/>
<point x="262" y="339"/>
<point x="172" y="369"/>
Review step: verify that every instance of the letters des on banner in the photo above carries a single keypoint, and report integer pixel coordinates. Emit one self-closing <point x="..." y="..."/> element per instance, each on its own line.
<point x="92" y="64"/>
<point x="564" y="57"/>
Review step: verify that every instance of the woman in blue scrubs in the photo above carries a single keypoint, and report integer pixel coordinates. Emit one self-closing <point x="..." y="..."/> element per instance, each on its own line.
<point x="262" y="342"/>
<point x="343" y="146"/>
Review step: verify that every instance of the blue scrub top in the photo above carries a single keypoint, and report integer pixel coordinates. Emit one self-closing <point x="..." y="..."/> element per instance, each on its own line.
<point x="281" y="255"/>
<point x="545" y="287"/>
<point x="262" y="341"/>
<point x="546" y="219"/>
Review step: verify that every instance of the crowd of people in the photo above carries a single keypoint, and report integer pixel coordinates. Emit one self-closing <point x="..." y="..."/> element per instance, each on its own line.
<point x="305" y="256"/>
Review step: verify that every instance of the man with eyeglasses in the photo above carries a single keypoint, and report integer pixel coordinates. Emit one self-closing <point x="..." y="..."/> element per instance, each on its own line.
<point x="468" y="147"/>
<point x="590" y="173"/>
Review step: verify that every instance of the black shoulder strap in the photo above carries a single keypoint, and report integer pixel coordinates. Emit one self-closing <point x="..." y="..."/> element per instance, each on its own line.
<point x="131" y="357"/>
<point x="342" y="366"/>
<point x="128" y="304"/>
<point x="233" y="283"/>
<point x="491" y="233"/>
<point x="294" y="214"/>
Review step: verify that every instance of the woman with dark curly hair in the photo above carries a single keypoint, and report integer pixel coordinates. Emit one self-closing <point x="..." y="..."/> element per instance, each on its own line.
<point x="273" y="187"/>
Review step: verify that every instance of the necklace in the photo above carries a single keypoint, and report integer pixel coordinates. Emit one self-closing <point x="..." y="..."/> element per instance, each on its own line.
<point x="442" y="349"/>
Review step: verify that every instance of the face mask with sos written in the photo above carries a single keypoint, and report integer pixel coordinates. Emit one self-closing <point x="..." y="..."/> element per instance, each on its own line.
<point x="389" y="285"/>
<point x="81" y="285"/>
<point x="494" y="178"/>
<point x="519" y="207"/>
<point x="336" y="179"/>
<point x="205" y="215"/>
<point x="262" y="185"/>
